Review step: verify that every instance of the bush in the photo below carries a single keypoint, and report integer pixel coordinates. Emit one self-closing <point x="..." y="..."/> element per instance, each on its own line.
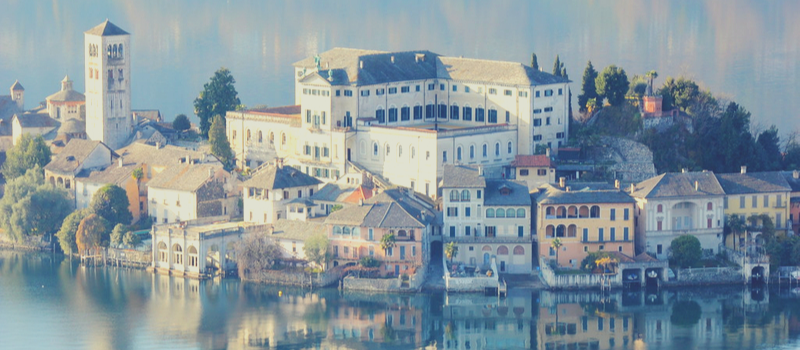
<point x="686" y="251"/>
<point x="369" y="262"/>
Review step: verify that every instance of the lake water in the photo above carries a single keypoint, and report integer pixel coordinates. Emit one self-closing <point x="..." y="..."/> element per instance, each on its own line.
<point x="746" y="50"/>
<point x="48" y="302"/>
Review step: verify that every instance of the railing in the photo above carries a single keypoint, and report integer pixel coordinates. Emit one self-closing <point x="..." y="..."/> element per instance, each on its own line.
<point x="483" y="239"/>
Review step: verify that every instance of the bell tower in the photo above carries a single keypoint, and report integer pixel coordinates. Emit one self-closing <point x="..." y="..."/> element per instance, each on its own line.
<point x="108" y="87"/>
<point x="18" y="95"/>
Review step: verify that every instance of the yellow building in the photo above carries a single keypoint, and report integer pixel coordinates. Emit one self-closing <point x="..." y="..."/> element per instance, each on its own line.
<point x="585" y="220"/>
<point x="749" y="194"/>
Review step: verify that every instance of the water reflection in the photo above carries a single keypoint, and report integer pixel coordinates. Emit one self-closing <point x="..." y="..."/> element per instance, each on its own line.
<point x="129" y="309"/>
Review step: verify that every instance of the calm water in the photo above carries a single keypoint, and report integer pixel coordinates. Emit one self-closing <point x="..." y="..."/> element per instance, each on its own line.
<point x="50" y="303"/>
<point x="746" y="50"/>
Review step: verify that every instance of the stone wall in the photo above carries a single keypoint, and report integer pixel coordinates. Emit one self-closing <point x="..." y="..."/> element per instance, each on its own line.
<point x="294" y="278"/>
<point x="633" y="160"/>
<point x="705" y="276"/>
<point x="414" y="284"/>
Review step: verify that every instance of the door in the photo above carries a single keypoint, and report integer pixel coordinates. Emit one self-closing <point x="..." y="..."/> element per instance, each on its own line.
<point x="397" y="270"/>
<point x="348" y="154"/>
<point x="502" y="266"/>
<point x="485" y="258"/>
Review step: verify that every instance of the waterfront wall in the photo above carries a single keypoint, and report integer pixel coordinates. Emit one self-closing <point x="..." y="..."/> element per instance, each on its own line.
<point x="397" y="284"/>
<point x="295" y="278"/>
<point x="471" y="284"/>
<point x="706" y="276"/>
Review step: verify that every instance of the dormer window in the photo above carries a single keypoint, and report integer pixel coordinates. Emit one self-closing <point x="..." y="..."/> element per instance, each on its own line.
<point x="505" y="190"/>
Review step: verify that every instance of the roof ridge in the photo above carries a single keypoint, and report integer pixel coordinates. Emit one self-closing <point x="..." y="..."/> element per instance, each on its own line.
<point x="385" y="214"/>
<point x="409" y="214"/>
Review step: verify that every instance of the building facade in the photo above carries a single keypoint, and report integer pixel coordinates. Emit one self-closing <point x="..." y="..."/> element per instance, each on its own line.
<point x="267" y="193"/>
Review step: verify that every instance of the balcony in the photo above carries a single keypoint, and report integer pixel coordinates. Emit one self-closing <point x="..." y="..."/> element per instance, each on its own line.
<point x="483" y="239"/>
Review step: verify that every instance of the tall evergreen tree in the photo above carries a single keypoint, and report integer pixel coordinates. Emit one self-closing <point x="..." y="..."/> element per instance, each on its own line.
<point x="534" y="62"/>
<point x="588" y="90"/>
<point x="220" y="147"/>
<point x="218" y="97"/>
<point x="557" y="65"/>
<point x="769" y="146"/>
<point x="612" y="84"/>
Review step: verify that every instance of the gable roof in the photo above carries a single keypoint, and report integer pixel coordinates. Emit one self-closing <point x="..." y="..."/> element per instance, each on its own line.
<point x="538" y="160"/>
<point x="106" y="29"/>
<point x="499" y="72"/>
<point x="36" y="120"/>
<point x="273" y="177"/>
<point x="738" y="183"/>
<point x="73" y="155"/>
<point x="67" y="95"/>
<point x="296" y="230"/>
<point x="461" y="176"/>
<point x="794" y="182"/>
<point x="549" y="194"/>
<point x="184" y="177"/>
<point x="390" y="209"/>
<point x="679" y="185"/>
<point x="17" y="86"/>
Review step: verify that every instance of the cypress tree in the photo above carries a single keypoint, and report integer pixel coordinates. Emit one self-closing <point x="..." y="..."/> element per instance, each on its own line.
<point x="588" y="89"/>
<point x="534" y="62"/>
<point x="557" y="67"/>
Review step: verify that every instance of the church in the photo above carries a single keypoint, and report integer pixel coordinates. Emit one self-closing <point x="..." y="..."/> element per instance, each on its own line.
<point x="402" y="115"/>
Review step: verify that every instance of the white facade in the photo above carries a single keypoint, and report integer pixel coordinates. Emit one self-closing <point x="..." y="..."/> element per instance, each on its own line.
<point x="266" y="206"/>
<point x="108" y="89"/>
<point x="664" y="219"/>
<point x="167" y="205"/>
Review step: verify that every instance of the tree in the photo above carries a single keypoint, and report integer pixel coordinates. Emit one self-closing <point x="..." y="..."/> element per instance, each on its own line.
<point x="137" y="173"/>
<point x="588" y="90"/>
<point x="769" y="149"/>
<point x="117" y="235"/>
<point x="316" y="249"/>
<point x="734" y="224"/>
<point x="111" y="203"/>
<point x="217" y="98"/>
<point x="28" y="153"/>
<point x="387" y="242"/>
<point x="66" y="235"/>
<point x="556" y="245"/>
<point x="89" y="234"/>
<point x="256" y="253"/>
<point x="369" y="262"/>
<point x="534" y="62"/>
<point x="181" y="123"/>
<point x="131" y="239"/>
<point x="612" y="84"/>
<point x="451" y="251"/>
<point x="686" y="250"/>
<point x="220" y="147"/>
<point x="791" y="161"/>
<point x="31" y="207"/>
<point x="681" y="93"/>
<point x="557" y="66"/>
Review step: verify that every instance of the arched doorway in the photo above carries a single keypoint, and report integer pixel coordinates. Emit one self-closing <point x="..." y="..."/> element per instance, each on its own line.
<point x="437" y="251"/>
<point x="757" y="275"/>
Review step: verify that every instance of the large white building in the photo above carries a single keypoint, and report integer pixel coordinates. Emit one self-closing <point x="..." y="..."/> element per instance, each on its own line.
<point x="402" y="115"/>
<point x="108" y="87"/>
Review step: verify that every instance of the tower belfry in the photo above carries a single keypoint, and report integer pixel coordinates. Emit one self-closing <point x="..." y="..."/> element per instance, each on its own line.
<point x="108" y="87"/>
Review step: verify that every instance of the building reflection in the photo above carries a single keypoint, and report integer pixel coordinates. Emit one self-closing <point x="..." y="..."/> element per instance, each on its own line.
<point x="477" y="322"/>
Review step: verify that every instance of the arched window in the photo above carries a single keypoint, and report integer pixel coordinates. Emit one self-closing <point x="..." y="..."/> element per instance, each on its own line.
<point x="375" y="149"/>
<point x="502" y="250"/>
<point x="260" y="137"/>
<point x="549" y="231"/>
<point x="520" y="213"/>
<point x="510" y="213"/>
<point x="247" y="137"/>
<point x="458" y="153"/>
<point x="193" y="261"/>
<point x="485" y="150"/>
<point x="561" y="230"/>
<point x="162" y="252"/>
<point x="595" y="212"/>
<point x="660" y="208"/>
<point x="177" y="254"/>
<point x="399" y="151"/>
<point x="572" y="231"/>
<point x="454" y="196"/>
<point x="346" y="231"/>
<point x="283" y="139"/>
<point x="402" y="233"/>
<point x="583" y="212"/>
<point x="120" y="51"/>
<point x="114" y="51"/>
<point x="413" y="152"/>
<point x="465" y="195"/>
<point x="709" y="206"/>
<point x="561" y="212"/>
<point x="489" y="213"/>
<point x="337" y="230"/>
<point x="471" y="152"/>
<point x="500" y="213"/>
<point x="550" y="211"/>
<point x="388" y="150"/>
<point x="272" y="137"/>
<point x="509" y="147"/>
<point x="519" y="250"/>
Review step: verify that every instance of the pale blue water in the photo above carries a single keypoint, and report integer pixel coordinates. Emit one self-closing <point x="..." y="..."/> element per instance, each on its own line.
<point x="746" y="50"/>
<point x="48" y="303"/>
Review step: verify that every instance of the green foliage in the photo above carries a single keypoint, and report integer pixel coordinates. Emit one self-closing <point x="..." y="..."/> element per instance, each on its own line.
<point x="66" y="235"/>
<point x="534" y="62"/>
<point x="31" y="207"/>
<point x="681" y="93"/>
<point x="623" y="120"/>
<point x="791" y="160"/>
<point x="316" y="249"/>
<point x="181" y="123"/>
<point x="118" y="234"/>
<point x="557" y="67"/>
<point x="220" y="146"/>
<point x="686" y="251"/>
<point x="556" y="244"/>
<point x="131" y="239"/>
<point x="137" y="173"/>
<point x="589" y="263"/>
<point x="387" y="241"/>
<point x="451" y="251"/>
<point x="28" y="153"/>
<point x="685" y="313"/>
<point x="90" y="233"/>
<point x="638" y="86"/>
<point x="369" y="262"/>
<point x="336" y="207"/>
<point x="612" y="84"/>
<point x="769" y="150"/>
<point x="218" y="97"/>
<point x="111" y="203"/>
<point x="588" y="90"/>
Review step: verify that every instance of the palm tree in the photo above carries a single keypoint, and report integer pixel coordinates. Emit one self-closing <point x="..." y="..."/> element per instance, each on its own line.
<point x="451" y="251"/>
<point x="734" y="224"/>
<point x="387" y="242"/>
<point x="556" y="245"/>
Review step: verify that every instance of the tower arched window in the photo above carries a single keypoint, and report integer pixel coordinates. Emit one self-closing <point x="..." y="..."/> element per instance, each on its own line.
<point x="458" y="153"/>
<point x="260" y="137"/>
<point x="108" y="54"/>
<point x="465" y="196"/>
<point x="120" y="51"/>
<point x="454" y="196"/>
<point x="114" y="51"/>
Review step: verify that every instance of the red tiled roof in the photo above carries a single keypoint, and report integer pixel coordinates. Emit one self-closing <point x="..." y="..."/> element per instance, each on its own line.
<point x="538" y="160"/>
<point x="361" y="193"/>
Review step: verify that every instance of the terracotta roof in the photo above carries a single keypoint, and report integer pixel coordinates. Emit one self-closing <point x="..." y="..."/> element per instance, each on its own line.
<point x="296" y="230"/>
<point x="106" y="29"/>
<point x="360" y="193"/>
<point x="538" y="160"/>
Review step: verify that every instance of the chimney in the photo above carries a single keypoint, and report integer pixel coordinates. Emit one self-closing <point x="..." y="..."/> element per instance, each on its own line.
<point x="480" y="170"/>
<point x="158" y="145"/>
<point x="567" y="188"/>
<point x="616" y="184"/>
<point x="683" y="170"/>
<point x="633" y="187"/>
<point x="562" y="182"/>
<point x="360" y="202"/>
<point x="392" y="59"/>
<point x="120" y="161"/>
<point x="187" y="160"/>
<point x="796" y="174"/>
<point x="744" y="169"/>
<point x="361" y="64"/>
<point x="697" y="186"/>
